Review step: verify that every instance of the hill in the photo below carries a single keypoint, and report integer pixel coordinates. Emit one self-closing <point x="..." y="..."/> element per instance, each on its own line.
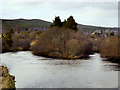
<point x="24" y="23"/>
<point x="93" y="28"/>
<point x="41" y="24"/>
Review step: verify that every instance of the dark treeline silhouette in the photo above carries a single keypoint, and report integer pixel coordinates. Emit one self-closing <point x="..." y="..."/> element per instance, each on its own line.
<point x="69" y="24"/>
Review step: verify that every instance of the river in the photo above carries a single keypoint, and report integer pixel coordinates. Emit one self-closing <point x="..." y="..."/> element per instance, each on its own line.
<point x="32" y="71"/>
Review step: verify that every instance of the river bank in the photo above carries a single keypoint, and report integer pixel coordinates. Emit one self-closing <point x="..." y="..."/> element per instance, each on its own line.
<point x="6" y="80"/>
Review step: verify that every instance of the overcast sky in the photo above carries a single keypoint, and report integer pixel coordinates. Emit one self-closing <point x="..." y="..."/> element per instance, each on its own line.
<point x="88" y="13"/>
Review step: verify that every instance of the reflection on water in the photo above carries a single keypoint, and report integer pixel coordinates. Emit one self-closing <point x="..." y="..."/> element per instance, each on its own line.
<point x="40" y="72"/>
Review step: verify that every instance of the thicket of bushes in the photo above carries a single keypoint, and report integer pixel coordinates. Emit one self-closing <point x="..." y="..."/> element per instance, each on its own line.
<point x="7" y="41"/>
<point x="110" y="48"/>
<point x="96" y="44"/>
<point x="13" y="41"/>
<point x="62" y="43"/>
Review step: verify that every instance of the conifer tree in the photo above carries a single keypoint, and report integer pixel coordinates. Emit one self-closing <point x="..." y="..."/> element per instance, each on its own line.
<point x="70" y="23"/>
<point x="56" y="22"/>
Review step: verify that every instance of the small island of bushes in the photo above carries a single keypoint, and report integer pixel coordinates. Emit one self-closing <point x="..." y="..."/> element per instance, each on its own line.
<point x="62" y="43"/>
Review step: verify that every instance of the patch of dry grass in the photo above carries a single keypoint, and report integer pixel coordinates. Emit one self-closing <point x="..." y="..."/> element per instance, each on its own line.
<point x="6" y="80"/>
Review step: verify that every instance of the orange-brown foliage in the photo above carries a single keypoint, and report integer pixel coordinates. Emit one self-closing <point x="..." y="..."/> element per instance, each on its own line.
<point x="62" y="43"/>
<point x="110" y="47"/>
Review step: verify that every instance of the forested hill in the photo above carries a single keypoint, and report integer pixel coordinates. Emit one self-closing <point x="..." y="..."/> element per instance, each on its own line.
<point x="93" y="28"/>
<point x="24" y="23"/>
<point x="37" y="23"/>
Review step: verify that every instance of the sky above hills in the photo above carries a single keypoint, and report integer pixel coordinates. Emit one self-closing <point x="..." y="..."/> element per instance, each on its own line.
<point x="88" y="13"/>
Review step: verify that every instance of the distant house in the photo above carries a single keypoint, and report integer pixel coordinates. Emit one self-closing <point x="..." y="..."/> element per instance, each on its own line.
<point x="107" y="31"/>
<point x="97" y="32"/>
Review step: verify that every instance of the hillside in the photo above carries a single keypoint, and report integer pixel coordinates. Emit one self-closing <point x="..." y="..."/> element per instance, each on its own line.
<point x="93" y="28"/>
<point x="37" y="23"/>
<point x="24" y="23"/>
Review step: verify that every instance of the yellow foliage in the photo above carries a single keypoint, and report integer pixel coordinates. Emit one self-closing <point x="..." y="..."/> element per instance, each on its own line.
<point x="96" y="39"/>
<point x="33" y="42"/>
<point x="19" y="48"/>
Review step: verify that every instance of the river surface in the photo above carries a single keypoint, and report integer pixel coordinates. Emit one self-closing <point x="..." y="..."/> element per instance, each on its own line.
<point x="32" y="71"/>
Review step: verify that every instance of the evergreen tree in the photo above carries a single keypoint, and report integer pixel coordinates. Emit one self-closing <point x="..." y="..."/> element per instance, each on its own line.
<point x="70" y="23"/>
<point x="56" y="22"/>
<point x="112" y="33"/>
<point x="63" y="23"/>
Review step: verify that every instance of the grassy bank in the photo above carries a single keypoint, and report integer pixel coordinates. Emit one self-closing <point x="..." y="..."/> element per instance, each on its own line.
<point x="6" y="80"/>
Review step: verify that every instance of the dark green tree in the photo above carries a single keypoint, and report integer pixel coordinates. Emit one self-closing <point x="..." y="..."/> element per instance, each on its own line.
<point x="112" y="33"/>
<point x="70" y="23"/>
<point x="56" y="22"/>
<point x="63" y="23"/>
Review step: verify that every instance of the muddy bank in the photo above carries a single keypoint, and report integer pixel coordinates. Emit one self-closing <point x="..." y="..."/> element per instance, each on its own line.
<point x="6" y="80"/>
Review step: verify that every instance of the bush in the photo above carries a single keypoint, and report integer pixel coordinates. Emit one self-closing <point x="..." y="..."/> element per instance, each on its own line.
<point x="7" y="41"/>
<point x="62" y="43"/>
<point x="110" y="47"/>
<point x="18" y="41"/>
<point x="21" y="41"/>
<point x="50" y="41"/>
<point x="96" y="43"/>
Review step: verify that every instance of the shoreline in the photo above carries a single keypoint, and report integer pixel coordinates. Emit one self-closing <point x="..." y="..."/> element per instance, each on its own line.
<point x="114" y="60"/>
<point x="7" y="81"/>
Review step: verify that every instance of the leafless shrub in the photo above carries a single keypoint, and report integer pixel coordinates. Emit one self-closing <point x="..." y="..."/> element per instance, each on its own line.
<point x="61" y="42"/>
<point x="110" y="47"/>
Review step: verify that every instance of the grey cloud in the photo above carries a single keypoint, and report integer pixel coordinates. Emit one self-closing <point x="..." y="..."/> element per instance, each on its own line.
<point x="96" y="13"/>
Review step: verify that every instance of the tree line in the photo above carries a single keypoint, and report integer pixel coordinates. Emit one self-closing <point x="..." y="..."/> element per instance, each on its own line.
<point x="69" y="23"/>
